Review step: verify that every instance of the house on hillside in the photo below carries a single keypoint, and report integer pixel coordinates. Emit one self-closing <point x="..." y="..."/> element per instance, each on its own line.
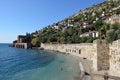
<point x="86" y="23"/>
<point x="115" y="8"/>
<point x="90" y="34"/>
<point x="93" y="14"/>
<point x="55" y="26"/>
<point x="113" y="0"/>
<point x="113" y="19"/>
<point x="79" y="24"/>
<point x="70" y="22"/>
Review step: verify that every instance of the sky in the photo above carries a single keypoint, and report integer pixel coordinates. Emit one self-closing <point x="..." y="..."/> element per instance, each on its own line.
<point x="20" y="16"/>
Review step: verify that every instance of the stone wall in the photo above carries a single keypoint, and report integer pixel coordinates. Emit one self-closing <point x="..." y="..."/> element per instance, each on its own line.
<point x="102" y="55"/>
<point x="83" y="50"/>
<point x="97" y="52"/>
<point x="115" y="58"/>
<point x="22" y="45"/>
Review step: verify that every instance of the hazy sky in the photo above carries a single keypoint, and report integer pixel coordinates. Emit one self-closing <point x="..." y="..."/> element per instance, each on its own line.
<point x="21" y="16"/>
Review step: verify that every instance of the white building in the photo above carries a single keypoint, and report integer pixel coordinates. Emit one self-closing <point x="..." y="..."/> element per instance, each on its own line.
<point x="56" y="27"/>
<point x="116" y="8"/>
<point x="113" y="19"/>
<point x="103" y="14"/>
<point x="91" y="33"/>
<point x="85" y="24"/>
<point x="70" y="22"/>
<point x="113" y="0"/>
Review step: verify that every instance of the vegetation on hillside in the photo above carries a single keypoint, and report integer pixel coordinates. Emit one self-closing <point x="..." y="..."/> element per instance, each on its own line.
<point x="70" y="29"/>
<point x="113" y="33"/>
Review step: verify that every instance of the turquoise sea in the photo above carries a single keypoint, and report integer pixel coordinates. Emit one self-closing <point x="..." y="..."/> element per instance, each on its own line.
<point x="22" y="64"/>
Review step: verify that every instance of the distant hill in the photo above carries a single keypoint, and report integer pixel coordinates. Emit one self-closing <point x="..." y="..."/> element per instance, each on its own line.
<point x="84" y="26"/>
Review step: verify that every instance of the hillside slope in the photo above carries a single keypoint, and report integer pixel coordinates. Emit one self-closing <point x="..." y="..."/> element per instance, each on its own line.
<point x="84" y="26"/>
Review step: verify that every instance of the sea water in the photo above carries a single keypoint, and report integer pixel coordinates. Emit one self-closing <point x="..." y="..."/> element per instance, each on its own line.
<point x="23" y="64"/>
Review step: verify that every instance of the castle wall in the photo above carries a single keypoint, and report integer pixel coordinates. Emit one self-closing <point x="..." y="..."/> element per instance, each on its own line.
<point x="102" y="55"/>
<point x="97" y="52"/>
<point x="83" y="50"/>
<point x="115" y="58"/>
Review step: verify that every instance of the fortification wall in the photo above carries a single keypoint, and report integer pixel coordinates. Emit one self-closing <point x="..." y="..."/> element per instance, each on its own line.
<point x="115" y="58"/>
<point x="96" y="52"/>
<point x="103" y="56"/>
<point x="83" y="50"/>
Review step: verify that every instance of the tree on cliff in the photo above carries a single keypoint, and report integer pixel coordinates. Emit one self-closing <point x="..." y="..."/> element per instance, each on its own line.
<point x="35" y="42"/>
<point x="113" y="33"/>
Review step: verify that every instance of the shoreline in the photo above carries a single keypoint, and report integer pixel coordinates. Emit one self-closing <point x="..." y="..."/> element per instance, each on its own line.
<point x="86" y="71"/>
<point x="87" y="65"/>
<point x="82" y="68"/>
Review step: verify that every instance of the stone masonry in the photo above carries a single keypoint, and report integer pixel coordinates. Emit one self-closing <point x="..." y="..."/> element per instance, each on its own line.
<point x="115" y="58"/>
<point x="103" y="56"/>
